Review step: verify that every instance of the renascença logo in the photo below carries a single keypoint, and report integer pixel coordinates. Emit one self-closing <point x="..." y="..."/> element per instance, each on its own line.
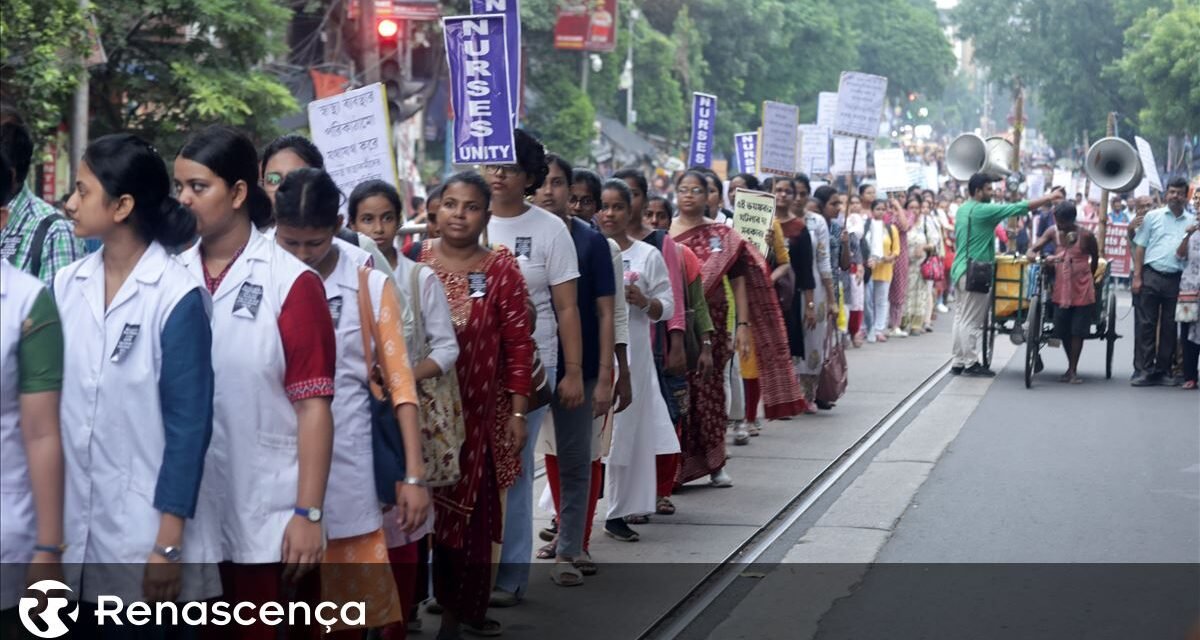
<point x="42" y="613"/>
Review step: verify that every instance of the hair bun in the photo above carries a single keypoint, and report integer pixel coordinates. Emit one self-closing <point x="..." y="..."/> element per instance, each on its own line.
<point x="176" y="224"/>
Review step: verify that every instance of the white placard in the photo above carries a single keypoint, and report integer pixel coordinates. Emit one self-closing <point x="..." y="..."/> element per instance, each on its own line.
<point x="843" y="150"/>
<point x="826" y="109"/>
<point x="859" y="105"/>
<point x="1064" y="179"/>
<point x="777" y="145"/>
<point x="814" y="149"/>
<point x="1094" y="192"/>
<point x="1143" y="188"/>
<point x="891" y="173"/>
<point x="353" y="132"/>
<point x="1036" y="183"/>
<point x="932" y="181"/>
<point x="1149" y="168"/>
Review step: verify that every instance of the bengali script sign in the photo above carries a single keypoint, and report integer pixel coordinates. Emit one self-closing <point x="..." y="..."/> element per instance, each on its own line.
<point x="704" y="119"/>
<point x="745" y="147"/>
<point x="777" y="145"/>
<point x="479" y="89"/>
<point x="826" y="109"/>
<point x="752" y="215"/>
<point x="891" y="173"/>
<point x="353" y="132"/>
<point x="859" y="105"/>
<point x="1149" y="168"/>
<point x="1116" y="247"/>
<point x="511" y="9"/>
<point x="814" y="149"/>
<point x="844" y="151"/>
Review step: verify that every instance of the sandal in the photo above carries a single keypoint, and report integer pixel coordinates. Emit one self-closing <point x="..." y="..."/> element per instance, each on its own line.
<point x="548" y="551"/>
<point x="487" y="628"/>
<point x="566" y="574"/>
<point x="1189" y="385"/>
<point x="665" y="507"/>
<point x="585" y="564"/>
<point x="638" y="519"/>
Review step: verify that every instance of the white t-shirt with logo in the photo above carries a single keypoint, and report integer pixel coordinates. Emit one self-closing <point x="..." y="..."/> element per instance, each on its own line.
<point x="545" y="252"/>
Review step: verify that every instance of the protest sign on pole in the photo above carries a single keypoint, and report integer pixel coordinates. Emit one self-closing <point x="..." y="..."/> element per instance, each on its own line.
<point x="931" y="179"/>
<point x="1036" y="183"/>
<point x="777" y="144"/>
<point x="1149" y="168"/>
<point x="479" y="89"/>
<point x="745" y="147"/>
<point x="704" y="119"/>
<point x="753" y="212"/>
<point x="1063" y="178"/>
<point x="1116" y="247"/>
<point x="1143" y="188"/>
<point x="353" y="132"/>
<point x="843" y="152"/>
<point x="814" y="149"/>
<point x="826" y="109"/>
<point x="859" y="105"/>
<point x="511" y="9"/>
<point x="891" y="174"/>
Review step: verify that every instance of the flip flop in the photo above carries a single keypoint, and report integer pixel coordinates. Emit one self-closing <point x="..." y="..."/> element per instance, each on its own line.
<point x="548" y="552"/>
<point x="487" y="628"/>
<point x="665" y="507"/>
<point x="638" y="519"/>
<point x="585" y="564"/>
<point x="566" y="574"/>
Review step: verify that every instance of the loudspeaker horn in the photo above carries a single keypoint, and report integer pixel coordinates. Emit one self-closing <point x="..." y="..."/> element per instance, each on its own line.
<point x="999" y="158"/>
<point x="1113" y="164"/>
<point x="965" y="156"/>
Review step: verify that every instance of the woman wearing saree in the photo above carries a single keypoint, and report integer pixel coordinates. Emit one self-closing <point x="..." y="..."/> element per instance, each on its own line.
<point x="824" y="301"/>
<point x="898" y="294"/>
<point x="487" y="297"/>
<point x="723" y="252"/>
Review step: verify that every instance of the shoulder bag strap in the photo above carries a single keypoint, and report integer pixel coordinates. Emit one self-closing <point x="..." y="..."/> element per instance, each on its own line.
<point x="370" y="333"/>
<point x="415" y="304"/>
<point x="39" y="240"/>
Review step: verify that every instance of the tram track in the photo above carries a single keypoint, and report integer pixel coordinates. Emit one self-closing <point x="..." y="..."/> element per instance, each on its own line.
<point x="676" y="620"/>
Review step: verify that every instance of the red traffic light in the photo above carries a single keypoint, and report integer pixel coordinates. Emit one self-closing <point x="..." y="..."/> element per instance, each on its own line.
<point x="387" y="28"/>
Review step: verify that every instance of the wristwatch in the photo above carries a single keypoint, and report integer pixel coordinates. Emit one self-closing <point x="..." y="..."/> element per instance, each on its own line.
<point x="415" y="481"/>
<point x="170" y="552"/>
<point x="312" y="514"/>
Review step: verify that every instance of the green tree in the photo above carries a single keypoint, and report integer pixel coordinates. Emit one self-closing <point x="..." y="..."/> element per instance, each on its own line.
<point x="562" y="117"/>
<point x="177" y="65"/>
<point x="40" y="44"/>
<point x="908" y="47"/>
<point x="1162" y="63"/>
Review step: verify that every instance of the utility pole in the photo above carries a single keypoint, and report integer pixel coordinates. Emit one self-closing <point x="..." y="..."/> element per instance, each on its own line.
<point x="630" y="116"/>
<point x="368" y="42"/>
<point x="79" y="109"/>
<point x="583" y="71"/>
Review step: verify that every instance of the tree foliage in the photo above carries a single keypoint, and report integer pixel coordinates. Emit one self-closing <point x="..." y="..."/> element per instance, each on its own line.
<point x="41" y="44"/>
<point x="1162" y="64"/>
<point x="908" y="47"/>
<point x="177" y="65"/>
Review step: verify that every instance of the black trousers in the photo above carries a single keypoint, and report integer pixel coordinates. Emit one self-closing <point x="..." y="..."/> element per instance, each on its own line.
<point x="1155" y="331"/>
<point x="1191" y="352"/>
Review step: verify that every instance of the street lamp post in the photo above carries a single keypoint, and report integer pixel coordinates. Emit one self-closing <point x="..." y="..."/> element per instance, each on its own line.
<point x="630" y="114"/>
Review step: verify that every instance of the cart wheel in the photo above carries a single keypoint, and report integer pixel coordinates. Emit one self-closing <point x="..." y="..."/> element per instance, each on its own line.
<point x="1033" y="341"/>
<point x="989" y="329"/>
<point x="1110" y="336"/>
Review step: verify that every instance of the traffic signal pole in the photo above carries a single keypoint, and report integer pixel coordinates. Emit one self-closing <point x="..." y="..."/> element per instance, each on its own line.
<point x="369" y="41"/>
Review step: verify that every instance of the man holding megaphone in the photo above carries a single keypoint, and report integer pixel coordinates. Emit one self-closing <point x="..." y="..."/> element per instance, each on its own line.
<point x="974" y="264"/>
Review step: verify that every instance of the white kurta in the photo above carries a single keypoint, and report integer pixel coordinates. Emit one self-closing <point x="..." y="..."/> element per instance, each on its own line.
<point x="643" y="429"/>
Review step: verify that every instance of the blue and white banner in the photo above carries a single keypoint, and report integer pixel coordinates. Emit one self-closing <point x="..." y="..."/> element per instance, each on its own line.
<point x="704" y="120"/>
<point x="511" y="9"/>
<point x="745" y="149"/>
<point x="479" y="89"/>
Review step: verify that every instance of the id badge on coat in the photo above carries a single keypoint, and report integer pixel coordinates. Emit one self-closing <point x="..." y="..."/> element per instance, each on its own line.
<point x="477" y="284"/>
<point x="125" y="342"/>
<point x="249" y="297"/>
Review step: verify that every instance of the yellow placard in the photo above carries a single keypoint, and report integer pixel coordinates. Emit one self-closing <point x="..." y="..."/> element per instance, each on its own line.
<point x="752" y="215"/>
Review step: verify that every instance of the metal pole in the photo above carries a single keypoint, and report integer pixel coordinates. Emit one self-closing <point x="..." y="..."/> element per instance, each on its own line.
<point x="1102" y="216"/>
<point x="370" y="42"/>
<point x="583" y="71"/>
<point x="79" y="111"/>
<point x="633" y="16"/>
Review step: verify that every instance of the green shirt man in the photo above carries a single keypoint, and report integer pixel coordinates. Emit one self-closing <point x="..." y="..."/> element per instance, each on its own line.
<point x="983" y="215"/>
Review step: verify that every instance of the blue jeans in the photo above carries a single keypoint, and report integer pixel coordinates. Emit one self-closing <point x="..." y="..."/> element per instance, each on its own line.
<point x="517" y="548"/>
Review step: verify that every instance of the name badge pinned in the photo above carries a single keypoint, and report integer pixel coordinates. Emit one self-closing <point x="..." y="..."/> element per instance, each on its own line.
<point x="335" y="309"/>
<point x="125" y="342"/>
<point x="249" y="297"/>
<point x="477" y="284"/>
<point x="627" y="265"/>
<point x="9" y="248"/>
<point x="714" y="244"/>
<point x="524" y="247"/>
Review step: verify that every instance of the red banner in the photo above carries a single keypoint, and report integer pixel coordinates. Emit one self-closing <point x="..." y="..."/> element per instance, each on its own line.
<point x="1116" y="247"/>
<point x="586" y="25"/>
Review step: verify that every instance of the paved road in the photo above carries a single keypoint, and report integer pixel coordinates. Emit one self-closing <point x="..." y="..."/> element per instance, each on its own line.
<point x="1057" y="512"/>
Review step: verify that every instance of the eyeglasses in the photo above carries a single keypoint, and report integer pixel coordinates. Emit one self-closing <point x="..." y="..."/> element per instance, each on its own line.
<point x="585" y="201"/>
<point x="695" y="191"/>
<point x="272" y="179"/>
<point x="502" y="169"/>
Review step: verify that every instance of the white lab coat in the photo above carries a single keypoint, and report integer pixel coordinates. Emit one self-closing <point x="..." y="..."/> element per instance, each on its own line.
<point x="254" y="455"/>
<point x="351" y="506"/>
<point x="18" y="518"/>
<point x="113" y="432"/>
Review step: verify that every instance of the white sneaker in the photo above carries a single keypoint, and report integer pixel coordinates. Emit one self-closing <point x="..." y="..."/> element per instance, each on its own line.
<point x="754" y="428"/>
<point x="898" y="333"/>
<point x="720" y="479"/>
<point x="741" y="435"/>
<point x="943" y="308"/>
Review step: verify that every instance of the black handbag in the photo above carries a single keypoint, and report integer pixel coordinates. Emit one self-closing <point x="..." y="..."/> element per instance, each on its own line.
<point x="979" y="274"/>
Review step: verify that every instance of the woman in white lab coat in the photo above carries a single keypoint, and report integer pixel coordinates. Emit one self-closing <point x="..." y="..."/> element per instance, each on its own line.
<point x="137" y="387"/>
<point x="31" y="466"/>
<point x="274" y="356"/>
<point x="306" y="219"/>
<point x="645" y="428"/>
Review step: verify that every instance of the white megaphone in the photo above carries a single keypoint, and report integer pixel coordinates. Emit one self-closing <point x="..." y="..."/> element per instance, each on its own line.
<point x="1113" y="164"/>
<point x="969" y="154"/>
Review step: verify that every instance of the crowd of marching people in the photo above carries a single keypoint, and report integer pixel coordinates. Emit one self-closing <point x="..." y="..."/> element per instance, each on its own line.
<point x="259" y="390"/>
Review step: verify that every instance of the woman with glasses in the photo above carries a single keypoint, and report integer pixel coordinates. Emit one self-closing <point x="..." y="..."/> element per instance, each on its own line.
<point x="545" y="252"/>
<point x="724" y="253"/>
